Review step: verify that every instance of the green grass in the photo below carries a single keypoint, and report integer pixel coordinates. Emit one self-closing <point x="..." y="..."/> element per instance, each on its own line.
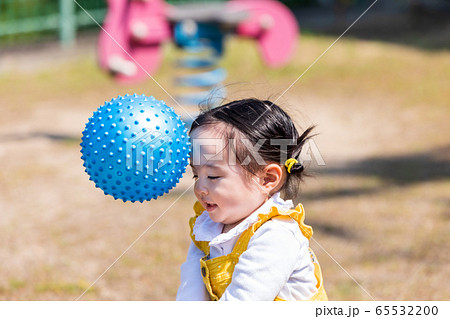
<point x="66" y="288"/>
<point x="413" y="76"/>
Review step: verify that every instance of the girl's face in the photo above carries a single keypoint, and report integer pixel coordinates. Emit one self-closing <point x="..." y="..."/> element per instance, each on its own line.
<point x="221" y="185"/>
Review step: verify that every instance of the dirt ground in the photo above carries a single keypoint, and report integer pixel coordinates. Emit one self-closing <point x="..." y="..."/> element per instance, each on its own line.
<point x="380" y="205"/>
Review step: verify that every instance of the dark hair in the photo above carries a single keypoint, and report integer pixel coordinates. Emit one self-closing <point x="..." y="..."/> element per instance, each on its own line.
<point x="258" y="121"/>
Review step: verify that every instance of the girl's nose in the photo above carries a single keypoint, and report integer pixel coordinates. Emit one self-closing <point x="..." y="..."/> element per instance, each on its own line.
<point x="200" y="188"/>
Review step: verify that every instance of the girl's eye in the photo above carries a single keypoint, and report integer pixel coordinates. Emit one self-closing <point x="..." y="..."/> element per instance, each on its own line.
<point x="209" y="177"/>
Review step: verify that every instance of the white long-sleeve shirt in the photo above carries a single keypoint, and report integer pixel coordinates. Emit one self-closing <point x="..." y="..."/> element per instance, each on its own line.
<point x="276" y="263"/>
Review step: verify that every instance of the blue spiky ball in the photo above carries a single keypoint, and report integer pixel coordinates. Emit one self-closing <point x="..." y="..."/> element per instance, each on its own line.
<point x="135" y="148"/>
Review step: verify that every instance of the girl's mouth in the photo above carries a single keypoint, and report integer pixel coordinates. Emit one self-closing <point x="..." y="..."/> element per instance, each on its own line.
<point x="210" y="207"/>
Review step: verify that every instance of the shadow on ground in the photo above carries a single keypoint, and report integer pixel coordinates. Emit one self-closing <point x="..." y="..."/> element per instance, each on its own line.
<point x="393" y="171"/>
<point x="413" y="168"/>
<point x="35" y="135"/>
<point x="424" y="26"/>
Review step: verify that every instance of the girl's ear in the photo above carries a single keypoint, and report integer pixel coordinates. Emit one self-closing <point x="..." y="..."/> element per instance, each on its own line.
<point x="272" y="178"/>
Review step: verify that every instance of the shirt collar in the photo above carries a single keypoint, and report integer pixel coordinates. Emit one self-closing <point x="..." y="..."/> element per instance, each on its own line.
<point x="206" y="229"/>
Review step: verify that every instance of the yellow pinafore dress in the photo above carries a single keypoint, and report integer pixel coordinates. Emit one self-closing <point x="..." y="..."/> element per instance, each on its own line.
<point x="217" y="272"/>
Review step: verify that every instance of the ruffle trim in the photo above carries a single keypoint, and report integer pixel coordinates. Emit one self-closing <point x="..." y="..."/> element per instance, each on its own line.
<point x="205" y="229"/>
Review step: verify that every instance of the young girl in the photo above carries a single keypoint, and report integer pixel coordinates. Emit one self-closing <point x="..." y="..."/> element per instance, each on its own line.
<point x="247" y="242"/>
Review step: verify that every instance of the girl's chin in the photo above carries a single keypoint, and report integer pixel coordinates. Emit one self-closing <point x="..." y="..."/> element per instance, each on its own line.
<point x="215" y="217"/>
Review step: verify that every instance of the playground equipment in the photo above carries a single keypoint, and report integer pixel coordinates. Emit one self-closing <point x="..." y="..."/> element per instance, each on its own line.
<point x="134" y="31"/>
<point x="135" y="148"/>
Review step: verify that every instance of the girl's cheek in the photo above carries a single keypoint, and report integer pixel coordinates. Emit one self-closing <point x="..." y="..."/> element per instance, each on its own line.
<point x="219" y="186"/>
<point x="214" y="186"/>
